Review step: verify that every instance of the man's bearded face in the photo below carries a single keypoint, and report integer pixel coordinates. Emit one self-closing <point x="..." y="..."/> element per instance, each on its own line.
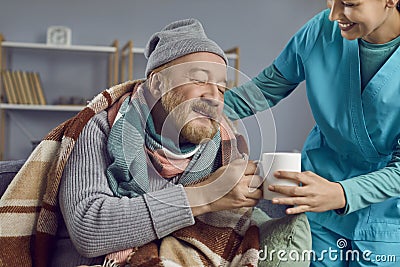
<point x="195" y="119"/>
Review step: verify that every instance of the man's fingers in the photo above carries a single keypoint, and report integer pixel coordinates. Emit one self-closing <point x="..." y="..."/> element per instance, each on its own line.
<point x="254" y="181"/>
<point x="250" y="168"/>
<point x="242" y="166"/>
<point x="251" y="202"/>
<point x="254" y="193"/>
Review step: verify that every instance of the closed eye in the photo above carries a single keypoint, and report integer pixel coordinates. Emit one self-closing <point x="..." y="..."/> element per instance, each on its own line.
<point x="346" y="4"/>
<point x="221" y="86"/>
<point x="199" y="82"/>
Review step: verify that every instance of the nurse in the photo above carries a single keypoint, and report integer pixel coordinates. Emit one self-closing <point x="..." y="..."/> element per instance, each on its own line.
<point x="349" y="56"/>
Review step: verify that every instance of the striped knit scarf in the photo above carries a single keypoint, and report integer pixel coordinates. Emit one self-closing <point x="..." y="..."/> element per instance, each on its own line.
<point x="134" y="145"/>
<point x="29" y="208"/>
<point x="166" y="165"/>
<point x="226" y="238"/>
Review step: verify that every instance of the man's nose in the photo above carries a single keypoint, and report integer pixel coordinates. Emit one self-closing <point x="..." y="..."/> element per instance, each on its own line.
<point x="213" y="94"/>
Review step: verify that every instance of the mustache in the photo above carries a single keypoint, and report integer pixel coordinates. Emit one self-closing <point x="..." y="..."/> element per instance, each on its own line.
<point x="204" y="108"/>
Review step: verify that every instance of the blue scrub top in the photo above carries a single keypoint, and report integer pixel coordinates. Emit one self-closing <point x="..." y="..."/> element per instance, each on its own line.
<point x="355" y="133"/>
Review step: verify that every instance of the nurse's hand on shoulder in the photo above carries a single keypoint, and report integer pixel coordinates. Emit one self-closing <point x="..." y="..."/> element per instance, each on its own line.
<point x="316" y="194"/>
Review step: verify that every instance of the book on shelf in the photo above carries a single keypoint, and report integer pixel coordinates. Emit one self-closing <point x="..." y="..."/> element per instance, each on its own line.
<point x="8" y="88"/>
<point x="23" y="87"/>
<point x="31" y="82"/>
<point x="15" y="87"/>
<point x="28" y="89"/>
<point x="38" y="88"/>
<point x="23" y="91"/>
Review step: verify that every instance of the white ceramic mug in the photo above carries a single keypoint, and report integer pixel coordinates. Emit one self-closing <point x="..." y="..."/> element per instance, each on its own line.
<point x="275" y="161"/>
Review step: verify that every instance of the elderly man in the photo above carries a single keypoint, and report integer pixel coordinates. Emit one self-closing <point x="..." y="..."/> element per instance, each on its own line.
<point x="158" y="178"/>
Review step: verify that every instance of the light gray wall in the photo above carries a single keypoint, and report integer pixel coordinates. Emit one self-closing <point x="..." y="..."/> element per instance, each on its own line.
<point x="260" y="28"/>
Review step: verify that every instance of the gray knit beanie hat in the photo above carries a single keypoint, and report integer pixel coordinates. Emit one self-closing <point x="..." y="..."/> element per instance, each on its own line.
<point x="177" y="39"/>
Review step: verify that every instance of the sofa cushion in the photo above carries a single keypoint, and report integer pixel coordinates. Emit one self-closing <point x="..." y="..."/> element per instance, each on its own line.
<point x="8" y="169"/>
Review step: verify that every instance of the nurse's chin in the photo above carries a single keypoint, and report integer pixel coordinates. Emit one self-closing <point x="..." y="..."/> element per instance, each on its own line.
<point x="350" y="37"/>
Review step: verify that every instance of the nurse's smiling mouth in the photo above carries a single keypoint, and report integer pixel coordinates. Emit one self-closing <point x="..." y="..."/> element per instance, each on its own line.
<point x="346" y="26"/>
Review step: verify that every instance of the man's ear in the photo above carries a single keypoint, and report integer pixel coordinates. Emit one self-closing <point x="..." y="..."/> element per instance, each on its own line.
<point x="155" y="85"/>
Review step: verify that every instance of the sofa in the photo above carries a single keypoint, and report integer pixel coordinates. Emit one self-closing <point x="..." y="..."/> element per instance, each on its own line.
<point x="280" y="232"/>
<point x="8" y="169"/>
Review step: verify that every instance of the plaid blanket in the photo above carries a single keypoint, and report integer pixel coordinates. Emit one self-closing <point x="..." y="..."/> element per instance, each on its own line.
<point x="29" y="208"/>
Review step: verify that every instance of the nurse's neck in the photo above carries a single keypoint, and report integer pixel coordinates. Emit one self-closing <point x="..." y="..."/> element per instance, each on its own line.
<point x="387" y="32"/>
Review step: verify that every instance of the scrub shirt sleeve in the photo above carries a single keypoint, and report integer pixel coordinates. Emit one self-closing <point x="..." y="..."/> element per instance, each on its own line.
<point x="291" y="61"/>
<point x="258" y="94"/>
<point x="279" y="79"/>
<point x="375" y="187"/>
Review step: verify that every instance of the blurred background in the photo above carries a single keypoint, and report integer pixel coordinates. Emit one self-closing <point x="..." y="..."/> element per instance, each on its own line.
<point x="260" y="28"/>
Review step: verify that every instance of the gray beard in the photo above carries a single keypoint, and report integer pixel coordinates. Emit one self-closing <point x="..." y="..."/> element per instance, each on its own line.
<point x="179" y="110"/>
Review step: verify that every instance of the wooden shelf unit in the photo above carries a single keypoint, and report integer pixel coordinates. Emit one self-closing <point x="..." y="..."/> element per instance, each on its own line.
<point x="5" y="106"/>
<point x="113" y="73"/>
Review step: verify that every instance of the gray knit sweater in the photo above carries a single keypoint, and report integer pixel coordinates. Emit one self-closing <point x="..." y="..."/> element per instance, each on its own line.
<point x="95" y="222"/>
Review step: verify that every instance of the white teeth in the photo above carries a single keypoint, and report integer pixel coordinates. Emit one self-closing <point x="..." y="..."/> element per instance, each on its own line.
<point x="345" y="25"/>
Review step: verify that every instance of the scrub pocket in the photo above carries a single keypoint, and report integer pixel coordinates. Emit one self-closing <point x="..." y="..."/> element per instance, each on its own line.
<point x="385" y="212"/>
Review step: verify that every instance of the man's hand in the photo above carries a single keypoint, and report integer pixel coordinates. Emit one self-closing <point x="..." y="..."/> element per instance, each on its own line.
<point x="316" y="193"/>
<point x="232" y="186"/>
